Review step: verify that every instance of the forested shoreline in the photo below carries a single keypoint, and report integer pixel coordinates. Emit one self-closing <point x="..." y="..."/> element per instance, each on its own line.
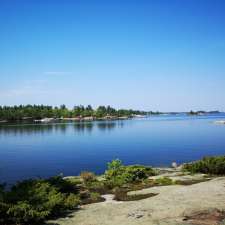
<point x="35" y="112"/>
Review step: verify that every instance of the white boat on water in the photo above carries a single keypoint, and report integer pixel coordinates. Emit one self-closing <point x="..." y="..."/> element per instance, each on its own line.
<point x="44" y="120"/>
<point x="138" y="116"/>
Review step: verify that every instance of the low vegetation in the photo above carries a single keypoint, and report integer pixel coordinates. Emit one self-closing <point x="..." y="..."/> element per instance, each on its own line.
<point x="163" y="181"/>
<point x="118" y="174"/>
<point x="34" y="201"/>
<point x="121" y="194"/>
<point x="209" y="165"/>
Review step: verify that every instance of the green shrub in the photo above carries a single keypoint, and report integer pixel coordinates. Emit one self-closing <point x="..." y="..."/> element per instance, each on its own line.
<point x="98" y="186"/>
<point x="95" y="196"/>
<point x="139" y="172"/>
<point x="84" y="194"/>
<point x="117" y="174"/>
<point x="115" y="168"/>
<point x="23" y="212"/>
<point x="74" y="181"/>
<point x="208" y="165"/>
<point x="32" y="201"/>
<point x="88" y="197"/>
<point x="63" y="185"/>
<point x="71" y="201"/>
<point x="117" y="181"/>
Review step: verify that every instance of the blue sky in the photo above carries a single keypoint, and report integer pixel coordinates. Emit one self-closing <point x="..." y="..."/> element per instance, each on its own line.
<point x="166" y="55"/>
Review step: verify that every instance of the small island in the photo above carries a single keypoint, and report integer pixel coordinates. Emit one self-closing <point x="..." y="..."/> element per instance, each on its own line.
<point x="201" y="113"/>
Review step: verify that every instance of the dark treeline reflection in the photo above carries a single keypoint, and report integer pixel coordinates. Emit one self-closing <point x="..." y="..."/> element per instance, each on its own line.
<point x="81" y="127"/>
<point x="106" y="126"/>
<point x="30" y="129"/>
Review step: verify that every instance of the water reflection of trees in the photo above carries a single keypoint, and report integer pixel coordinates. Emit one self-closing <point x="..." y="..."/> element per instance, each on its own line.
<point x="106" y="126"/>
<point x="25" y="129"/>
<point x="82" y="127"/>
<point x="79" y="127"/>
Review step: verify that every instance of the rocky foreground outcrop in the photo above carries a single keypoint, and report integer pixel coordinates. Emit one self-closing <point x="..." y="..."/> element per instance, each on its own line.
<point x="196" y="204"/>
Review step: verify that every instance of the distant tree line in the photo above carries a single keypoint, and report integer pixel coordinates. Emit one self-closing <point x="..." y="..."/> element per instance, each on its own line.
<point x="26" y="112"/>
<point x="201" y="112"/>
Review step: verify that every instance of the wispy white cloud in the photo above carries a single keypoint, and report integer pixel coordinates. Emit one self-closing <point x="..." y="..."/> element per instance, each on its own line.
<point x="23" y="91"/>
<point x="27" y="88"/>
<point x="57" y="73"/>
<point x="36" y="81"/>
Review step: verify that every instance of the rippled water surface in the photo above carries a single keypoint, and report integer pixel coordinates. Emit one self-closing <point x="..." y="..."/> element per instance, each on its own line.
<point x="32" y="150"/>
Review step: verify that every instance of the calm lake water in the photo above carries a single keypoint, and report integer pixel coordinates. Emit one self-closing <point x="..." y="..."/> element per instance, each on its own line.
<point x="33" y="150"/>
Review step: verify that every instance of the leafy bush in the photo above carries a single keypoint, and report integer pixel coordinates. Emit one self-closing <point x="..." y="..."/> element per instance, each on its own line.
<point x="84" y="194"/>
<point x="118" y="174"/>
<point x="209" y="165"/>
<point x="88" y="197"/>
<point x="32" y="201"/>
<point x="71" y="201"/>
<point x="95" y="196"/>
<point x="63" y="185"/>
<point x="139" y="172"/>
<point x="74" y="181"/>
<point x="98" y="186"/>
